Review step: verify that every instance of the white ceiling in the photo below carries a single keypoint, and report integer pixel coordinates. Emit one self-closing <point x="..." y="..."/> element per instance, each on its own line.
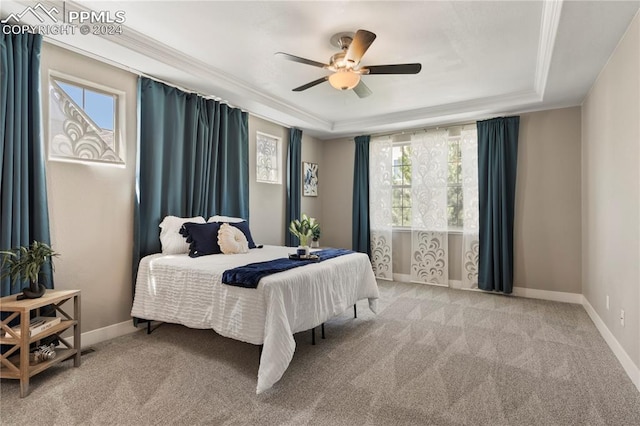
<point x="479" y="58"/>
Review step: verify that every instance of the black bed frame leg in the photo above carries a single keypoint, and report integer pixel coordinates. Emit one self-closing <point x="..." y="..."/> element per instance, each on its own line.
<point x="355" y="311"/>
<point x="313" y="336"/>
<point x="148" y="326"/>
<point x="323" y="330"/>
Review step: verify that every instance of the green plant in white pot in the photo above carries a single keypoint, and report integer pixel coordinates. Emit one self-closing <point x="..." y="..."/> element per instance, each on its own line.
<point x="315" y="235"/>
<point x="303" y="229"/>
<point x="25" y="263"/>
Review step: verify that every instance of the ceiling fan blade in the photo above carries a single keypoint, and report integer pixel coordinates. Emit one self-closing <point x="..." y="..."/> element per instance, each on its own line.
<point x="361" y="42"/>
<point x="362" y="90"/>
<point x="309" y="85"/>
<point x="392" y="69"/>
<point x="301" y="60"/>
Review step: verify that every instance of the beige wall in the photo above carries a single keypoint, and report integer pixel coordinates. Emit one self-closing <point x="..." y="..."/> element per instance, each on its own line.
<point x="337" y="190"/>
<point x="611" y="192"/>
<point x="547" y="223"/>
<point x="547" y="232"/>
<point x="312" y="153"/>
<point x="267" y="201"/>
<point x="91" y="206"/>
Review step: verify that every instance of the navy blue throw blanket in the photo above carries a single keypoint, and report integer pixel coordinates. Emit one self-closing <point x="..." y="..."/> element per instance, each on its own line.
<point x="248" y="276"/>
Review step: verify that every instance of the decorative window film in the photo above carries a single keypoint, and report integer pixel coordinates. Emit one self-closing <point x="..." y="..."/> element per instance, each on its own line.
<point x="84" y="122"/>
<point x="268" y="159"/>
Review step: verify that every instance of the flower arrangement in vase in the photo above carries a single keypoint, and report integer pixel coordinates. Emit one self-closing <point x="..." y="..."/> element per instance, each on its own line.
<point x="25" y="263"/>
<point x="304" y="230"/>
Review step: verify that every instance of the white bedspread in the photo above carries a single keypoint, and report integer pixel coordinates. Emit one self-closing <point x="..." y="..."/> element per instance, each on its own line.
<point x="189" y="291"/>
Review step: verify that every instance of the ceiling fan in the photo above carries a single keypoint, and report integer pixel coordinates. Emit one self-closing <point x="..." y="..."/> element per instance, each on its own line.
<point x="345" y="65"/>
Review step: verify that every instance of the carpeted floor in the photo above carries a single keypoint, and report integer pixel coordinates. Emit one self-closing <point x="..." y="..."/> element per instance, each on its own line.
<point x="432" y="356"/>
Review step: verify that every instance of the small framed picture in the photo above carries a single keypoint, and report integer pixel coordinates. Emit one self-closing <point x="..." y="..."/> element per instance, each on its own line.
<point x="310" y="178"/>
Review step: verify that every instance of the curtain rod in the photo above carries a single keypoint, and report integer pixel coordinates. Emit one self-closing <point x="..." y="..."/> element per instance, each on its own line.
<point x="137" y="72"/>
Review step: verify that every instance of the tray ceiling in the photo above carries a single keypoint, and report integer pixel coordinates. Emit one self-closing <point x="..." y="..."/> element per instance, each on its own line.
<point x="479" y="58"/>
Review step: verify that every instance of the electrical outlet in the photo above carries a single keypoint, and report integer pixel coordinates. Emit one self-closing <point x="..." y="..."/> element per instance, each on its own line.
<point x="607" y="302"/>
<point x="622" y="317"/>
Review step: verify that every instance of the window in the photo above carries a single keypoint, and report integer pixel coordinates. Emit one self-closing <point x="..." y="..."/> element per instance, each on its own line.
<point x="83" y="122"/>
<point x="268" y="159"/>
<point x="454" y="184"/>
<point x="401" y="183"/>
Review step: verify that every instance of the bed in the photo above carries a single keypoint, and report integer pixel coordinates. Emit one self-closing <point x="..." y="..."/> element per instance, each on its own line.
<point x="189" y="291"/>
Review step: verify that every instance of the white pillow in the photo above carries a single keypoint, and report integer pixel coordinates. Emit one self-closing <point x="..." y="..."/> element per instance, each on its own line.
<point x="231" y="240"/>
<point x="170" y="238"/>
<point x="227" y="219"/>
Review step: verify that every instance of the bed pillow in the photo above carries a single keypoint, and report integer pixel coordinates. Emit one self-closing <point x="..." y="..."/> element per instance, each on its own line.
<point x="231" y="240"/>
<point x="170" y="238"/>
<point x="202" y="238"/>
<point x="225" y="219"/>
<point x="244" y="227"/>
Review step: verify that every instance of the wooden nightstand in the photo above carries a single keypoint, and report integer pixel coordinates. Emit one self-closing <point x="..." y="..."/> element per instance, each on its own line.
<point x="17" y="366"/>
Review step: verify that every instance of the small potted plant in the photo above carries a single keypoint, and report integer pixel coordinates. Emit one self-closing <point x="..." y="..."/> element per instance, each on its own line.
<point x="315" y="235"/>
<point x="303" y="229"/>
<point x="25" y="263"/>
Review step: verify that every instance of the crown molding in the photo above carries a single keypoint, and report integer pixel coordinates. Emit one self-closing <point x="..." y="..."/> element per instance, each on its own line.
<point x="146" y="46"/>
<point x="278" y="110"/>
<point x="550" y="21"/>
<point x="139" y="43"/>
<point x="430" y="115"/>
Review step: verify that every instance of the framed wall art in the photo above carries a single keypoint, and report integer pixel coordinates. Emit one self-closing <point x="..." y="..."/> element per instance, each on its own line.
<point x="310" y="177"/>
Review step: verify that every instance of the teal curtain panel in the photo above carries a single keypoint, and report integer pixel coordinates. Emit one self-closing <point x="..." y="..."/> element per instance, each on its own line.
<point x="360" y="238"/>
<point x="497" y="167"/>
<point x="294" y="184"/>
<point x="23" y="194"/>
<point x="193" y="160"/>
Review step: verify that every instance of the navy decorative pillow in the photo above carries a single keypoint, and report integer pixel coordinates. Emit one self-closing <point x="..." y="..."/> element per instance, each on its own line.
<point x="244" y="227"/>
<point x="202" y="238"/>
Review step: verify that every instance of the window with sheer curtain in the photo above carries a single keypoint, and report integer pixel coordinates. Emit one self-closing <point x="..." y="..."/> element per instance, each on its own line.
<point x="427" y="185"/>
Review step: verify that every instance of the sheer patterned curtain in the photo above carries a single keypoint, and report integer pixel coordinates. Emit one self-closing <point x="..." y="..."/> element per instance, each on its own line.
<point x="380" y="165"/>
<point x="471" y="229"/>
<point x="429" y="236"/>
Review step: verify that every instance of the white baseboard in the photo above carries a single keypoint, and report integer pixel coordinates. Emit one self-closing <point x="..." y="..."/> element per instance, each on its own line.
<point x="406" y="278"/>
<point x="98" y="335"/>
<point x="627" y="363"/>
<point x="403" y="278"/>
<point x="555" y="296"/>
<point x="457" y="284"/>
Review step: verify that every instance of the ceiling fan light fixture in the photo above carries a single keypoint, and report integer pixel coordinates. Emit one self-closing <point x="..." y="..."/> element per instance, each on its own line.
<point x="344" y="79"/>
